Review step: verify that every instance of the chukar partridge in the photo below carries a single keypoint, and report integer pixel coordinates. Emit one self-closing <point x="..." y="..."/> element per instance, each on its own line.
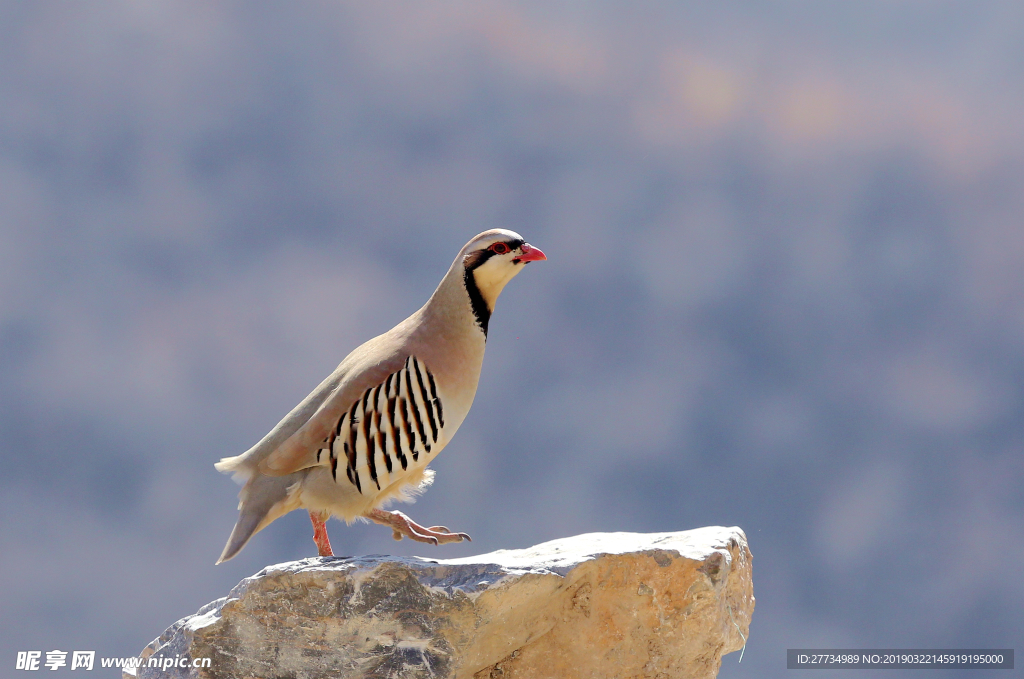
<point x="366" y="435"/>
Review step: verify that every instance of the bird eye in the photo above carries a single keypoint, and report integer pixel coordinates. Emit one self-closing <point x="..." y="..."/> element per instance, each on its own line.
<point x="499" y="249"/>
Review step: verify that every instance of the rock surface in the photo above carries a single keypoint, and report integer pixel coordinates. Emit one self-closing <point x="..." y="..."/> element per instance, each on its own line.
<point x="619" y="605"/>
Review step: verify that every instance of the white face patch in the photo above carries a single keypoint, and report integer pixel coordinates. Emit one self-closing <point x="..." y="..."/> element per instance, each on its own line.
<point x="492" y="276"/>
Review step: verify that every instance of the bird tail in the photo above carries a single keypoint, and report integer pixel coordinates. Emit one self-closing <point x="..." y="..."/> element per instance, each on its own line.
<point x="263" y="499"/>
<point x="236" y="466"/>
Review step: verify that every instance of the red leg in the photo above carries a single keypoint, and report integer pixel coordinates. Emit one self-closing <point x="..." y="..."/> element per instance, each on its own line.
<point x="323" y="543"/>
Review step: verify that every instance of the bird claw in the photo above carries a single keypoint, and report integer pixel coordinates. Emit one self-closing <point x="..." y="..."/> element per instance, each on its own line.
<point x="402" y="526"/>
<point x="448" y="532"/>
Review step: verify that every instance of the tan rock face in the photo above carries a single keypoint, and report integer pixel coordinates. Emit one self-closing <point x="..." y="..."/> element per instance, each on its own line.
<point x="616" y="605"/>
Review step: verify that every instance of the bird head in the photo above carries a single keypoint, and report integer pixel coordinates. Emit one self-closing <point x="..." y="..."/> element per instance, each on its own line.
<point x="491" y="260"/>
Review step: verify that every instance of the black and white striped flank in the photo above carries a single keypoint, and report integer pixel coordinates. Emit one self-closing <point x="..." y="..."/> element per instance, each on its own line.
<point x="388" y="428"/>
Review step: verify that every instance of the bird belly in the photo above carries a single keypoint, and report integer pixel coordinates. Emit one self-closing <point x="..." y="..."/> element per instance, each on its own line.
<point x="319" y="491"/>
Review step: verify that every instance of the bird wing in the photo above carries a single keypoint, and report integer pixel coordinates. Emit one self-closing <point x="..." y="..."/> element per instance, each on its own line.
<point x="245" y="465"/>
<point x="375" y="423"/>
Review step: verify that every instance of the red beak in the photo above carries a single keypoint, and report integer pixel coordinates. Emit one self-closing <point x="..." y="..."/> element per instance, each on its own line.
<point x="530" y="254"/>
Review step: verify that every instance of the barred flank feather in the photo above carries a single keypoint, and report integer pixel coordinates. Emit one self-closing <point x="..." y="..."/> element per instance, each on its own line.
<point x="388" y="423"/>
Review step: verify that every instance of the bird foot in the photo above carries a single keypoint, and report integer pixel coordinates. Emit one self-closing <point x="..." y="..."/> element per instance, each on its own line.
<point x="402" y="526"/>
<point x="323" y="543"/>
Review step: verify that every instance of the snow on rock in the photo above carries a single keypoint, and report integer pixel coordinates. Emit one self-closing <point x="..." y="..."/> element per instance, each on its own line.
<point x="596" y="605"/>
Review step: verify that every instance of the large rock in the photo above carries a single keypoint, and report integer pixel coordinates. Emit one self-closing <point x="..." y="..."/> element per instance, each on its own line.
<point x="611" y="605"/>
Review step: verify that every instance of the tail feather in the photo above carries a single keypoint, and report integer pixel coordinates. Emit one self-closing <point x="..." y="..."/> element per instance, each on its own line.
<point x="263" y="499"/>
<point x="240" y="472"/>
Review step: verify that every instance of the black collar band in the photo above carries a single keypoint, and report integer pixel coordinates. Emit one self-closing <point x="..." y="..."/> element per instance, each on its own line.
<point x="476" y="300"/>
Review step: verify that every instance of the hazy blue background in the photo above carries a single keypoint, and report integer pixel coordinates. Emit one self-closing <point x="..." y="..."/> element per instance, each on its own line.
<point x="784" y="291"/>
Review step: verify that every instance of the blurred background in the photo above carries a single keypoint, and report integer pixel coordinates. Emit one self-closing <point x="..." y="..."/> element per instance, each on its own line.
<point x="785" y="291"/>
